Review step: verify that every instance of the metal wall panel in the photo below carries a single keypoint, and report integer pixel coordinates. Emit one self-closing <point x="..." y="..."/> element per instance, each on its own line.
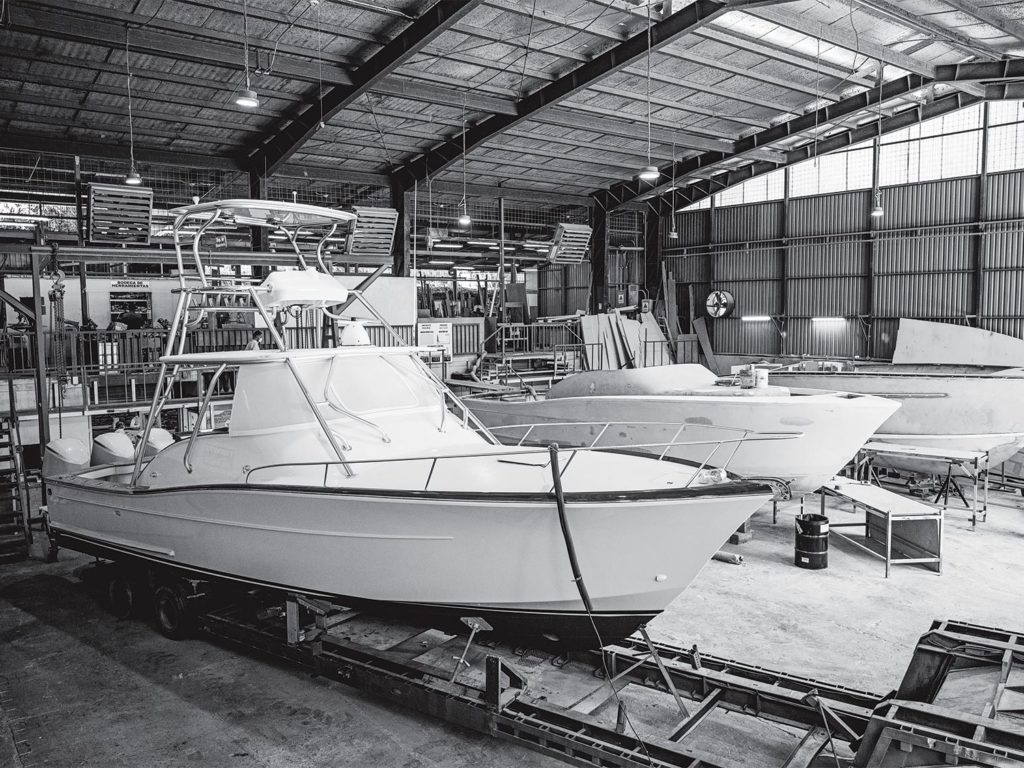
<point x="829" y="214"/>
<point x="841" y="339"/>
<point x="1003" y="292"/>
<point x="740" y="223"/>
<point x="937" y="295"/>
<point x="827" y="297"/>
<point x="883" y="334"/>
<point x="754" y="297"/>
<point x="951" y="201"/>
<point x="828" y="259"/>
<point x="1005" y="195"/>
<point x="694" y="228"/>
<point x="690" y="269"/>
<point x="1005" y="246"/>
<point x="732" y="336"/>
<point x="577" y="287"/>
<point x="911" y="255"/>
<point x="756" y="263"/>
<point x="550" y="292"/>
<point x="1009" y="326"/>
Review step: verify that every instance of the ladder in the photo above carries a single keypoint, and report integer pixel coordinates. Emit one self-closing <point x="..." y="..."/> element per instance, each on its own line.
<point x="15" y="530"/>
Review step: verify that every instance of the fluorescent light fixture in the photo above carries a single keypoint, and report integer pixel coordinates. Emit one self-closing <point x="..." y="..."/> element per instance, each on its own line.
<point x="247" y="98"/>
<point x="448" y="246"/>
<point x="484" y="243"/>
<point x="441" y="262"/>
<point x="650" y="173"/>
<point x="828" y="319"/>
<point x="756" y="318"/>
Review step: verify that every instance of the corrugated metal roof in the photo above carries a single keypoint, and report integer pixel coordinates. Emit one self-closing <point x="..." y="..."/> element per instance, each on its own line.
<point x="63" y="60"/>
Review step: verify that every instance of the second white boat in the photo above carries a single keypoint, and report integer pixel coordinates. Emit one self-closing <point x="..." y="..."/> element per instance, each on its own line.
<point x="683" y="403"/>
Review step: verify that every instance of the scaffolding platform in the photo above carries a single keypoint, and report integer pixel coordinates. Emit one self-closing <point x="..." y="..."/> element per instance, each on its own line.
<point x="897" y="529"/>
<point x="947" y="463"/>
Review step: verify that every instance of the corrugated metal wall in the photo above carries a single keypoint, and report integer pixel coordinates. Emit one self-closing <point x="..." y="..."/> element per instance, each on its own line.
<point x="818" y="257"/>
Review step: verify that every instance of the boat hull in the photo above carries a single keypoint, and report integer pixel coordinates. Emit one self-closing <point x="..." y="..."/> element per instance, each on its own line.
<point x="954" y="410"/>
<point x="436" y="557"/>
<point x="833" y="428"/>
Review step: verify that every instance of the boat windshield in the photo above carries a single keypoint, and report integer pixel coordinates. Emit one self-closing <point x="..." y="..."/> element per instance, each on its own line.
<point x="267" y="397"/>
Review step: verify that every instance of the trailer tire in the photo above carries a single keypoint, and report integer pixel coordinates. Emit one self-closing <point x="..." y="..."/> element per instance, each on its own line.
<point x="171" y="612"/>
<point x="122" y="597"/>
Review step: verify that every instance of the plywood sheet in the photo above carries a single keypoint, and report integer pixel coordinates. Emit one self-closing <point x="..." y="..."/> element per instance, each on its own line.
<point x="925" y="343"/>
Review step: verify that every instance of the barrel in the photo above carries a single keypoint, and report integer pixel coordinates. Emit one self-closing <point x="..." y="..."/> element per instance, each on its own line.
<point x="811" y="542"/>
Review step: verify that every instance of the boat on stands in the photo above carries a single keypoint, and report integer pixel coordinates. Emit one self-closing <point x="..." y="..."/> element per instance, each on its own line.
<point x="657" y="405"/>
<point x="961" y="389"/>
<point x="352" y="473"/>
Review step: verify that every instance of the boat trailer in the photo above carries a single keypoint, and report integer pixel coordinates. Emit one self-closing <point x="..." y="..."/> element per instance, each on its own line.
<point x="642" y="703"/>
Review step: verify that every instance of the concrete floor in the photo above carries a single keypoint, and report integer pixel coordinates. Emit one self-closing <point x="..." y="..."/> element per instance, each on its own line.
<point x="78" y="688"/>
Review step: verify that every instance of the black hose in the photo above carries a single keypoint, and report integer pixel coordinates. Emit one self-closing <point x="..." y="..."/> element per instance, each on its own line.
<point x="577" y="575"/>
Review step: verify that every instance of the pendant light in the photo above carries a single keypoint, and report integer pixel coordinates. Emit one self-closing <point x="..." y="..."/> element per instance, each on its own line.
<point x="464" y="220"/>
<point x="133" y="178"/>
<point x="650" y="171"/>
<point x="878" y="211"/>
<point x="247" y="97"/>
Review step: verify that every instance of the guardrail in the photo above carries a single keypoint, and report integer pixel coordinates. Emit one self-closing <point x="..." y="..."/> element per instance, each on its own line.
<point x="666" y="447"/>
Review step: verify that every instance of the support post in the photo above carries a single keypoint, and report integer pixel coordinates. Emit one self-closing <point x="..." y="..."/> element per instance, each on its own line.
<point x="981" y="214"/>
<point x="653" y="217"/>
<point x="502" y="316"/>
<point x="403" y="227"/>
<point x="258" y="191"/>
<point x="42" y="400"/>
<point x="599" y="254"/>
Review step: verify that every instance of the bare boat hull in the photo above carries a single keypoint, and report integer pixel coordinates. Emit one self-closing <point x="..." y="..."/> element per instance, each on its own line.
<point x="939" y="410"/>
<point x="432" y="555"/>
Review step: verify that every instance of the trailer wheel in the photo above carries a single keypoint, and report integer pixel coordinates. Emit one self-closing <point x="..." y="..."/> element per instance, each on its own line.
<point x="122" y="597"/>
<point x="173" y="618"/>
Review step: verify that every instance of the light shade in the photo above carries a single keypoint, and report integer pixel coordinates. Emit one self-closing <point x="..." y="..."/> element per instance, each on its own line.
<point x="650" y="173"/>
<point x="878" y="211"/>
<point x="464" y="220"/>
<point x="673" y="235"/>
<point x="133" y="177"/>
<point x="247" y="98"/>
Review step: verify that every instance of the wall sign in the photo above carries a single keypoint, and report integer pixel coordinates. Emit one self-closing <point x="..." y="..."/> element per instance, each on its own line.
<point x="435" y="335"/>
<point x="127" y="284"/>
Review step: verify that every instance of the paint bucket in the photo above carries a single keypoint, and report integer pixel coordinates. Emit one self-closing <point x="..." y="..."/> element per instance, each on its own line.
<point x="811" y="542"/>
<point x="760" y="378"/>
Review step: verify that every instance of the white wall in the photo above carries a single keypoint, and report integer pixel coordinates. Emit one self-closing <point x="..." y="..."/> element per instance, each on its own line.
<point x="393" y="297"/>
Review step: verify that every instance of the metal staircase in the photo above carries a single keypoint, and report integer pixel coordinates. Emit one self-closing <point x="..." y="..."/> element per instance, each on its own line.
<point x="15" y="531"/>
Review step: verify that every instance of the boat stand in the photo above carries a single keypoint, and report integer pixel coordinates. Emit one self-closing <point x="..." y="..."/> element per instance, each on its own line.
<point x="581" y="708"/>
<point x="973" y="464"/>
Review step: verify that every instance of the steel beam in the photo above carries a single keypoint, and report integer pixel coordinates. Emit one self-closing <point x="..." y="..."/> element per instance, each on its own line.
<point x="276" y="149"/>
<point x="691" y="194"/>
<point x="920" y="23"/>
<point x="661" y="33"/>
<point x="37" y="143"/>
<point x="852" y="105"/>
<point x="1009" y="26"/>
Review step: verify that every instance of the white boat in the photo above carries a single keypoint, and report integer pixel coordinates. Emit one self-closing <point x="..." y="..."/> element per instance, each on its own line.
<point x="352" y="473"/>
<point x="661" y="404"/>
<point x="944" y="407"/>
<point x="961" y="388"/>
